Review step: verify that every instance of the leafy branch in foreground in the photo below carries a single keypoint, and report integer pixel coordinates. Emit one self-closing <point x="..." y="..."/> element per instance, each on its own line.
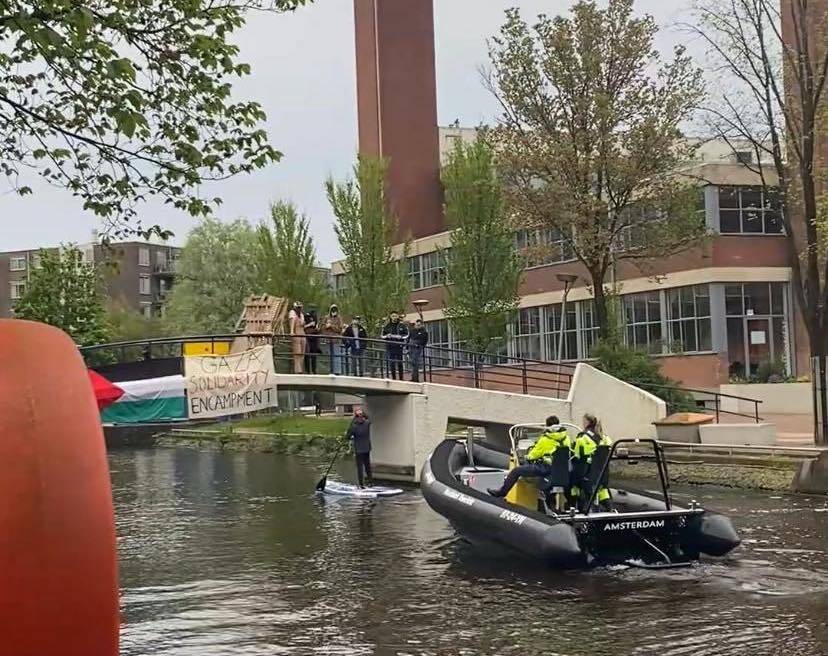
<point x="118" y="101"/>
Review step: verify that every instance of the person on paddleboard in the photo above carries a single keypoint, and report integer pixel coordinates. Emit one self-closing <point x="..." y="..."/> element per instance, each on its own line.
<point x="360" y="432"/>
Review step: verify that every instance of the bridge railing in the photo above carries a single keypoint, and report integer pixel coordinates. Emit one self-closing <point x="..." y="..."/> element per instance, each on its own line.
<point x="323" y="355"/>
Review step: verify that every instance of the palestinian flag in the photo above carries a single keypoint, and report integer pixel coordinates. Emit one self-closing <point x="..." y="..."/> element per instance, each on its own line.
<point x="105" y="392"/>
<point x="140" y="401"/>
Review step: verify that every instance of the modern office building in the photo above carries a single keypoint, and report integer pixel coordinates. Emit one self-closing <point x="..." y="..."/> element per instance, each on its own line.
<point x="137" y="274"/>
<point x="718" y="311"/>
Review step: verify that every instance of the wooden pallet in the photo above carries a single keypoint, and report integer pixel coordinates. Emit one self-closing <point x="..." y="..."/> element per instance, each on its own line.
<point x="262" y="316"/>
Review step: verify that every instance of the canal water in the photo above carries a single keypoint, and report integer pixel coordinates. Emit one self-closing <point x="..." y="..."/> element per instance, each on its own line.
<point x="232" y="554"/>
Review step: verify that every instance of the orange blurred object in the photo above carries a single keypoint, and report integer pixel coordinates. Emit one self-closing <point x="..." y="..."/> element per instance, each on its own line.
<point x="58" y="569"/>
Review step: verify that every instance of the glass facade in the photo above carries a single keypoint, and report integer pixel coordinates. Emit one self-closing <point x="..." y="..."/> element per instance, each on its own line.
<point x="543" y="247"/>
<point x="748" y="210"/>
<point x="642" y="319"/>
<point x="427" y="270"/>
<point x="749" y="321"/>
<point x="757" y="328"/>
<point x="689" y="326"/>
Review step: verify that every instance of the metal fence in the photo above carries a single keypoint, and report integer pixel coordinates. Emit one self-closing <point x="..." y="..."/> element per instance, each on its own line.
<point x="374" y="358"/>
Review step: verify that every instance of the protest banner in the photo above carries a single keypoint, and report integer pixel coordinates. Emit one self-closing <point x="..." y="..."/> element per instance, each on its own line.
<point x="221" y="385"/>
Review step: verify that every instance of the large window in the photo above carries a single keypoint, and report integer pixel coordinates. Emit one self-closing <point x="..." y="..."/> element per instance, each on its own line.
<point x="427" y="270"/>
<point x="17" y="289"/>
<point x="757" y="332"/>
<point x="588" y="330"/>
<point x="642" y="318"/>
<point x="570" y="332"/>
<point x="144" y="285"/>
<point x="748" y="210"/>
<point x="17" y="263"/>
<point x="688" y="319"/>
<point x="143" y="257"/>
<point x="438" y="338"/>
<point x="528" y="334"/>
<point x="541" y="247"/>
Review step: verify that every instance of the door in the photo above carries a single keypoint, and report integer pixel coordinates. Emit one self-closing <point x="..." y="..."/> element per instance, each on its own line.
<point x="758" y="343"/>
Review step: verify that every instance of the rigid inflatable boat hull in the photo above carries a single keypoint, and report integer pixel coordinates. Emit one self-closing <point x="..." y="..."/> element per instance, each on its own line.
<point x="528" y="532"/>
<point x="644" y="526"/>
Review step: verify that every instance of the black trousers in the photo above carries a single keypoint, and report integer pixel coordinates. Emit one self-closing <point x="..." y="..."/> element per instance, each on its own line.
<point x="395" y="363"/>
<point x="310" y="363"/>
<point x="527" y="470"/>
<point x="363" y="467"/>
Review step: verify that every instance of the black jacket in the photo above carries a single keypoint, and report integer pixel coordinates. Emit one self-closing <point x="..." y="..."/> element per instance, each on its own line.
<point x="395" y="335"/>
<point x="418" y="337"/>
<point x="360" y="433"/>
<point x="349" y="338"/>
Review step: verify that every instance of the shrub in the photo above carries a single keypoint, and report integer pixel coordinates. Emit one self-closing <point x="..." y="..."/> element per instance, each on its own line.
<point x="641" y="369"/>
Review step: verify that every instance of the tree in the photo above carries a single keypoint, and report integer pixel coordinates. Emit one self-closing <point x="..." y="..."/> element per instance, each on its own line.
<point x="287" y="262"/>
<point x="483" y="267"/>
<point x="589" y="139"/>
<point x="366" y="229"/>
<point x="65" y="291"/>
<point x="118" y="101"/>
<point x="774" y="105"/>
<point x="217" y="271"/>
<point x="125" y="324"/>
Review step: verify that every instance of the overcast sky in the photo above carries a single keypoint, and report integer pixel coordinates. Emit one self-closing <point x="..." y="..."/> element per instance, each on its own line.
<point x="304" y="76"/>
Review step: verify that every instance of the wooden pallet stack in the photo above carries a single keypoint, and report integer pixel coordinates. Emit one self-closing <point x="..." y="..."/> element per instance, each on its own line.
<point x="262" y="317"/>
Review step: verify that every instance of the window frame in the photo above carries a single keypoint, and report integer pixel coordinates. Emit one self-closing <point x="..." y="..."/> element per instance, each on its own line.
<point x="652" y="346"/>
<point x="765" y="210"/>
<point x="19" y="286"/>
<point x="18" y="259"/>
<point x="141" y="279"/>
<point x="527" y="238"/>
<point x="141" y="251"/>
<point x="682" y="320"/>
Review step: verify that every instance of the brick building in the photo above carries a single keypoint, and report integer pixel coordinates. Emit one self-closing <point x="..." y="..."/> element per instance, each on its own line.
<point x="714" y="312"/>
<point x="140" y="274"/>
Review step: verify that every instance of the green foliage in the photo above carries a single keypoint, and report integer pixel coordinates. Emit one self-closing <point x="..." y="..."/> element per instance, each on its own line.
<point x="217" y="271"/>
<point x="589" y="140"/>
<point x="366" y="229"/>
<point x="64" y="291"/>
<point x="125" y="324"/>
<point x="287" y="262"/>
<point x="117" y="101"/>
<point x="483" y="267"/>
<point x="641" y="370"/>
<point x="771" y="372"/>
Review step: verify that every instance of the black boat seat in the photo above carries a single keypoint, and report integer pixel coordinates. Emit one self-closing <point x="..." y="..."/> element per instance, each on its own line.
<point x="556" y="482"/>
<point x="594" y="478"/>
<point x="559" y="474"/>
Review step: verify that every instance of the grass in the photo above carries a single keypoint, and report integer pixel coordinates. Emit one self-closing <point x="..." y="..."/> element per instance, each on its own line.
<point x="293" y="424"/>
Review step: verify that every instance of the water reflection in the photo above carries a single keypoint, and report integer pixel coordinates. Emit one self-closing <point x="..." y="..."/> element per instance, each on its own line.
<point x="233" y="554"/>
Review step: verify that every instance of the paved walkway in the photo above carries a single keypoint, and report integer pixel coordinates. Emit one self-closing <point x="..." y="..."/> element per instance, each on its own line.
<point x="791" y="430"/>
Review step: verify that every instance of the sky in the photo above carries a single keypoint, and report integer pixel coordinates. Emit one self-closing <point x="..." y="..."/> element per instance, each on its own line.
<point x="304" y="76"/>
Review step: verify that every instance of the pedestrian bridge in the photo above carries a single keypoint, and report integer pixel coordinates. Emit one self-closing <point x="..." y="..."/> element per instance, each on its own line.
<point x="411" y="418"/>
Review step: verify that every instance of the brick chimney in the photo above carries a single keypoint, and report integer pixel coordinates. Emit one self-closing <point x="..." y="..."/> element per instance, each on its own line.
<point x="397" y="106"/>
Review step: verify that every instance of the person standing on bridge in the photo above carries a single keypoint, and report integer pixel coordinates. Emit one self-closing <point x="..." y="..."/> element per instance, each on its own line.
<point x="332" y="330"/>
<point x="395" y="335"/>
<point x="355" y="339"/>
<point x="360" y="432"/>
<point x="417" y="342"/>
<point x="296" y="323"/>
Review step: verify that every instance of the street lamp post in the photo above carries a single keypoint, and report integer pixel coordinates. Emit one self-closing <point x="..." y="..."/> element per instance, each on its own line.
<point x="568" y="280"/>
<point x="419" y="305"/>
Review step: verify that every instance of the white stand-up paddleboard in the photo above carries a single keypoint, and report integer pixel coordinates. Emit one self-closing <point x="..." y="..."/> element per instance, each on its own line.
<point x="349" y="490"/>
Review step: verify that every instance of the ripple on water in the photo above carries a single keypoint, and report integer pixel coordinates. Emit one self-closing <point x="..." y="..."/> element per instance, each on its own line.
<point x="226" y="554"/>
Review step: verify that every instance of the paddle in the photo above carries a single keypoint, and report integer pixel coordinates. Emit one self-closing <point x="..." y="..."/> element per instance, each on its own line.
<point x="324" y="480"/>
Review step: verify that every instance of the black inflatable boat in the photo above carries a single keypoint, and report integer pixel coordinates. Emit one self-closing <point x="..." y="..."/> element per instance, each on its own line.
<point x="640" y="530"/>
